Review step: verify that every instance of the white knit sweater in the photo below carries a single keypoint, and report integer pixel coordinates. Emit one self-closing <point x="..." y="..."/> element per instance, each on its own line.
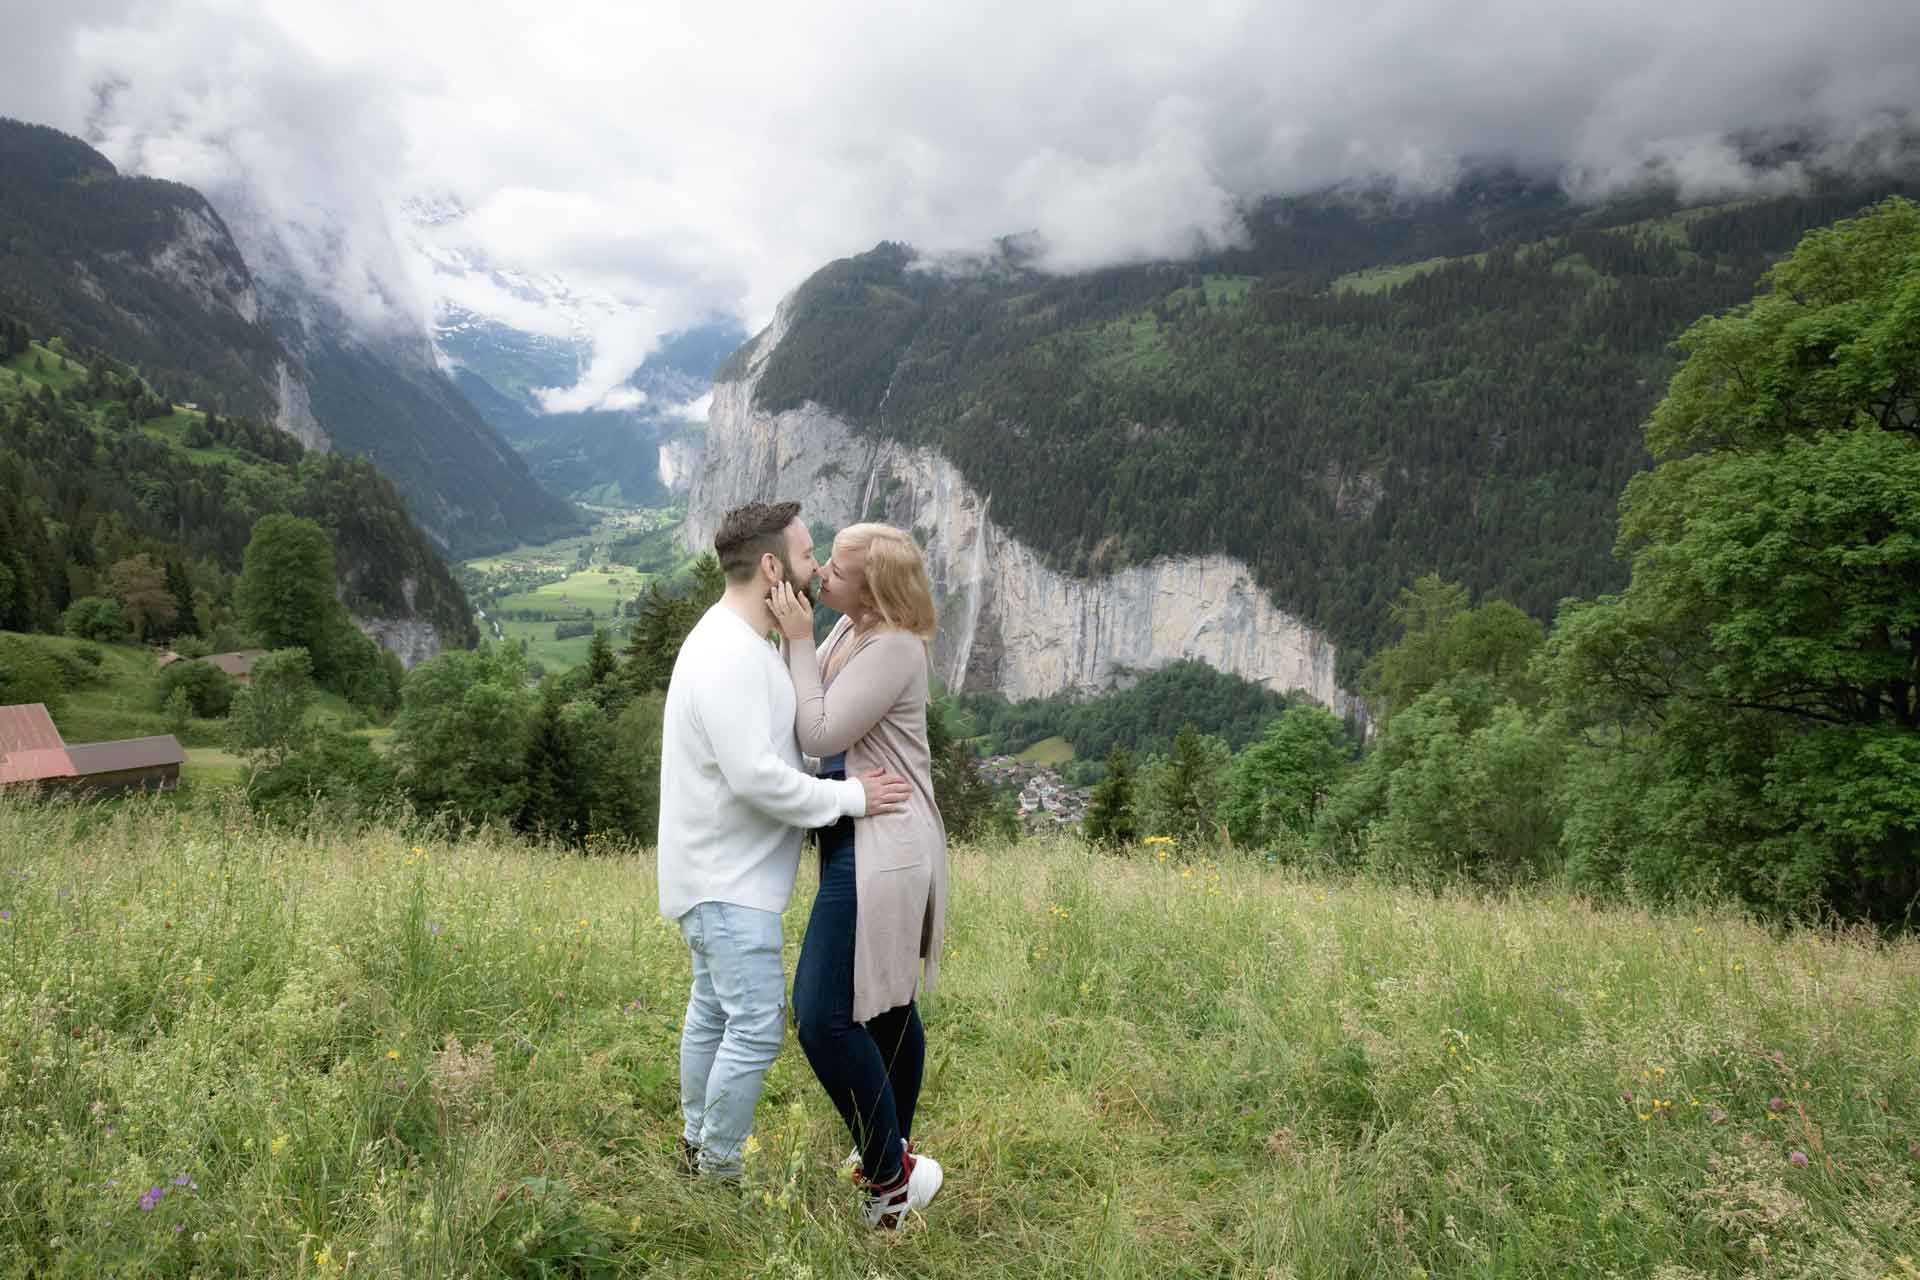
<point x="733" y="796"/>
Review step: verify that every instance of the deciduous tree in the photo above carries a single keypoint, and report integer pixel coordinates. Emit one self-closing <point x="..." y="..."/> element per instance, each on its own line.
<point x="1767" y="649"/>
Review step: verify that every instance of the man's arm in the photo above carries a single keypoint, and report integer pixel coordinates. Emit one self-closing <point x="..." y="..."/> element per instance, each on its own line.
<point x="734" y="714"/>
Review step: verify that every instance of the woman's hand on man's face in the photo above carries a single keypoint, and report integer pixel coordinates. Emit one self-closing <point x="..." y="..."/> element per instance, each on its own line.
<point x="794" y="614"/>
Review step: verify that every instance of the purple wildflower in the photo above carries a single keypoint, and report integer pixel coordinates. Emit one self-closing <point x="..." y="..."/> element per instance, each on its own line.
<point x="1626" y="1095"/>
<point x="1776" y="1103"/>
<point x="182" y="1180"/>
<point x="150" y="1198"/>
<point x="1798" y="1159"/>
<point x="6" y="915"/>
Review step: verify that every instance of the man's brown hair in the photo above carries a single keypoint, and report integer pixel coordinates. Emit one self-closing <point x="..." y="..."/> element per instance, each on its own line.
<point x="747" y="533"/>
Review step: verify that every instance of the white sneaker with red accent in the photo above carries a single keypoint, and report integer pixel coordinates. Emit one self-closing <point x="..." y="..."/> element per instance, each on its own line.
<point x="919" y="1182"/>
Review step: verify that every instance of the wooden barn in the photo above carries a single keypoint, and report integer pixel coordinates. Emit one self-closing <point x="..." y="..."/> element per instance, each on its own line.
<point x="32" y="754"/>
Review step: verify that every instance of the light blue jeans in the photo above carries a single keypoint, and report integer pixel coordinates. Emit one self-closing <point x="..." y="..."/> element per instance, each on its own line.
<point x="735" y="1021"/>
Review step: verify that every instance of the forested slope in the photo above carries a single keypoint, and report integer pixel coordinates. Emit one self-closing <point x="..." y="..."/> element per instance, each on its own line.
<point x="96" y="468"/>
<point x="1368" y="391"/>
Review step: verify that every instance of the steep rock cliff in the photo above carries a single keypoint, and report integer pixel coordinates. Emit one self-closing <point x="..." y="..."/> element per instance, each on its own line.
<point x="1007" y="621"/>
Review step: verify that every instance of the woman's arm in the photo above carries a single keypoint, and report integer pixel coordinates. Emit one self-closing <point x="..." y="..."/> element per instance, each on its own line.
<point x="826" y="721"/>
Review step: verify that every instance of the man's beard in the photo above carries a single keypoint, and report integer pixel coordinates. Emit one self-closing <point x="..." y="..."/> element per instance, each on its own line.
<point x="802" y="589"/>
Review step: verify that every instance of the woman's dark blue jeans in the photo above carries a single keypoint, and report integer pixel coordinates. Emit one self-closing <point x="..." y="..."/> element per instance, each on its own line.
<point x="871" y="1070"/>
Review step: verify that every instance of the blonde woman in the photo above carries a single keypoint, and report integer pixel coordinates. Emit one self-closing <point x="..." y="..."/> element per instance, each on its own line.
<point x="880" y="913"/>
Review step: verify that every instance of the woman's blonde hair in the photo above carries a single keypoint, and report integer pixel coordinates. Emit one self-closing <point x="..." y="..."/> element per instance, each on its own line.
<point x="896" y="576"/>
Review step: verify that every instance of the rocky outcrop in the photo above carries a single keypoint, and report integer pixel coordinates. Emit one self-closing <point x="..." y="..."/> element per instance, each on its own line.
<point x="679" y="460"/>
<point x="1007" y="621"/>
<point x="295" y="416"/>
<point x="414" y="640"/>
<point x="200" y="259"/>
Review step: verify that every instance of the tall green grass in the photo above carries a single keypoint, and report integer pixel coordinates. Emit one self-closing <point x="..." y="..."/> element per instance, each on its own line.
<point x="381" y="1054"/>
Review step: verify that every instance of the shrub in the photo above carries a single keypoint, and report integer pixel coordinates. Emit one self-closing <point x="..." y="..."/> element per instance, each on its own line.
<point x="28" y="673"/>
<point x="335" y="773"/>
<point x="209" y="690"/>
<point x="95" y="618"/>
<point x="76" y="670"/>
<point x="1483" y="805"/>
<point x="178" y="709"/>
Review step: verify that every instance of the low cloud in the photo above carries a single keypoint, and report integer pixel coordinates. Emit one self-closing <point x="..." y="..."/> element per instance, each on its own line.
<point x="681" y="161"/>
<point x="696" y="410"/>
<point x="301" y="159"/>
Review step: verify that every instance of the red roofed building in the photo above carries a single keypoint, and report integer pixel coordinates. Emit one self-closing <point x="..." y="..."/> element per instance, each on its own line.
<point x="28" y="727"/>
<point x="31" y="751"/>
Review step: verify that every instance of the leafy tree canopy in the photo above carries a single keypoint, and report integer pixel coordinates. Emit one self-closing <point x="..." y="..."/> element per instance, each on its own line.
<point x="1767" y="647"/>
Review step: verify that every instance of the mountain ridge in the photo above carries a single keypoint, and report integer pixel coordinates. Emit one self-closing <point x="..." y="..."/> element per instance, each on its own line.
<point x="152" y="272"/>
<point x="1478" y="419"/>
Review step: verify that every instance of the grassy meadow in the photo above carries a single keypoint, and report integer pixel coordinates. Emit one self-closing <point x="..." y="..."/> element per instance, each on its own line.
<point x="603" y="587"/>
<point x="229" y="1049"/>
<point x="1053" y="751"/>
<point x="122" y="701"/>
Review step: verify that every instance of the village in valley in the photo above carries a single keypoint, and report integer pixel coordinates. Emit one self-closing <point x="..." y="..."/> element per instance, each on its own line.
<point x="1044" y="799"/>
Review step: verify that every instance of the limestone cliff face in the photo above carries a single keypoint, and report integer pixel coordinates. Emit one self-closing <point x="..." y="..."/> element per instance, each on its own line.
<point x="1007" y="621"/>
<point x="414" y="640"/>
<point x="295" y="416"/>
<point x="679" y="460"/>
<point x="199" y="259"/>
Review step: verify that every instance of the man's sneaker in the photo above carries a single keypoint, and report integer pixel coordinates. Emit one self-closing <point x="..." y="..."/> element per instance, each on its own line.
<point x="918" y="1183"/>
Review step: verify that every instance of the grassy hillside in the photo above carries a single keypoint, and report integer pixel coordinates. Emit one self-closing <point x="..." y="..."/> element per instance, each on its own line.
<point x="1055" y="751"/>
<point x="232" y="1050"/>
<point x="94" y="466"/>
<point x="122" y="701"/>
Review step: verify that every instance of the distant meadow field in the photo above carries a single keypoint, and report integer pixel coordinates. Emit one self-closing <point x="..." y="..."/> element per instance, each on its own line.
<point x="227" y="1049"/>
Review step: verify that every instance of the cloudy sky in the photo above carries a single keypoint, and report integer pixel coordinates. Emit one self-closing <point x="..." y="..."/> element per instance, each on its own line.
<point x="687" y="160"/>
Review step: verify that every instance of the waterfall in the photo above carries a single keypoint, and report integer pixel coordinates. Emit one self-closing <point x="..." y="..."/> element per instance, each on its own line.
<point x="881" y="453"/>
<point x="976" y="573"/>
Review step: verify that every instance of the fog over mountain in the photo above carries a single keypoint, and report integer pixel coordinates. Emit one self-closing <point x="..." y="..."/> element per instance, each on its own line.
<point x="690" y="161"/>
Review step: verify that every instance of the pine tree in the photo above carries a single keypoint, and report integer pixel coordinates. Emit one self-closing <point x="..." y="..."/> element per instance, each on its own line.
<point x="1110" y="811"/>
<point x="181" y="588"/>
<point x="602" y="666"/>
<point x="545" y="810"/>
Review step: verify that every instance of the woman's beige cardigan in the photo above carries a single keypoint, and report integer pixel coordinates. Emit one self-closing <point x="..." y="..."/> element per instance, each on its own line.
<point x="876" y="711"/>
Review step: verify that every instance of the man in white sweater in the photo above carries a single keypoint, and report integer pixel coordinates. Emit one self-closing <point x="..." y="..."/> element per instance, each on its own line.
<point x="734" y="800"/>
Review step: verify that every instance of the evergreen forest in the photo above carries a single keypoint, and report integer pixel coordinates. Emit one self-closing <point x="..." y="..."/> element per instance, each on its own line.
<point x="1369" y="391"/>
<point x="97" y="468"/>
